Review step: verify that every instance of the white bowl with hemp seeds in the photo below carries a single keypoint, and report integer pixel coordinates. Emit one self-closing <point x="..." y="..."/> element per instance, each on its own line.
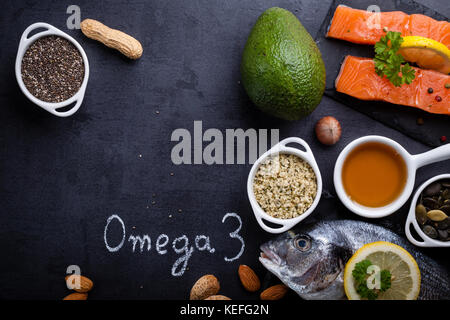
<point x="284" y="185"/>
<point x="52" y="69"/>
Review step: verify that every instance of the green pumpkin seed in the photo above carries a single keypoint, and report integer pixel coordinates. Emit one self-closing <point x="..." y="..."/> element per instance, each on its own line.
<point x="421" y="214"/>
<point x="446" y="183"/>
<point x="444" y="224"/>
<point x="445" y="208"/>
<point x="430" y="203"/>
<point x="436" y="215"/>
<point x="430" y="231"/>
<point x="446" y="194"/>
<point x="443" y="234"/>
<point x="432" y="190"/>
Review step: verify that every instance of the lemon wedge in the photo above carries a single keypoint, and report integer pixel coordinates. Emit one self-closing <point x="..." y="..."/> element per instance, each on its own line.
<point x="405" y="273"/>
<point x="426" y="53"/>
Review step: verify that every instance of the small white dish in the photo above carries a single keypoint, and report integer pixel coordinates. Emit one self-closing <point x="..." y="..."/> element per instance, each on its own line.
<point x="411" y="220"/>
<point x="413" y="162"/>
<point x="25" y="42"/>
<point x="307" y="156"/>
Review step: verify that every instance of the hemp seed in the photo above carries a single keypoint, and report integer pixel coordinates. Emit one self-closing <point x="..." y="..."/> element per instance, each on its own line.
<point x="285" y="186"/>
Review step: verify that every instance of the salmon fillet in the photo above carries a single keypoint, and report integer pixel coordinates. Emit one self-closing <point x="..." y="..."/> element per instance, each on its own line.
<point x="358" y="79"/>
<point x="360" y="26"/>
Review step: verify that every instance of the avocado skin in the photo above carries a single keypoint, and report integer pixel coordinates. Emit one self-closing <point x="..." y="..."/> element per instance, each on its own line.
<point x="282" y="69"/>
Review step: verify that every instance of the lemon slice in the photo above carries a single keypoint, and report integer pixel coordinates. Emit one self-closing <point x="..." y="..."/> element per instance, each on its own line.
<point x="426" y="53"/>
<point x="405" y="281"/>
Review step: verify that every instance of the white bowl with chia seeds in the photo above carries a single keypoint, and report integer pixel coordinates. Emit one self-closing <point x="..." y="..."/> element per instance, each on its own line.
<point x="284" y="185"/>
<point x="74" y="91"/>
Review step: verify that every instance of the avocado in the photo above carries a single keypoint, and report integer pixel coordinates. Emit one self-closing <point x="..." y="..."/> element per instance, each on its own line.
<point x="282" y="69"/>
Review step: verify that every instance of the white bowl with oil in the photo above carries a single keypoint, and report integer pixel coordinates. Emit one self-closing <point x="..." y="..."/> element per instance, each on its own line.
<point x="412" y="162"/>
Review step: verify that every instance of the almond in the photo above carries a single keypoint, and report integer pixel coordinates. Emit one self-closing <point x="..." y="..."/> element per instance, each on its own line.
<point x="275" y="292"/>
<point x="218" y="297"/>
<point x="76" y="296"/>
<point x="206" y="286"/>
<point x="86" y="284"/>
<point x="249" y="279"/>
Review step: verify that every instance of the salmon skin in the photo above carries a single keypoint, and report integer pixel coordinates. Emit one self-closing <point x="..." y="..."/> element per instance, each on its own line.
<point x="364" y="27"/>
<point x="358" y="79"/>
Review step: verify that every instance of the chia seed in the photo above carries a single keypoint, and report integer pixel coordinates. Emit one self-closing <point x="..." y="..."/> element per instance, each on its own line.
<point x="52" y="69"/>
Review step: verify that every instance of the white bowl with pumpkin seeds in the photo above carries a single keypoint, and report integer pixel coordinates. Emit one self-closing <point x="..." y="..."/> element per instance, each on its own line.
<point x="284" y="185"/>
<point x="411" y="221"/>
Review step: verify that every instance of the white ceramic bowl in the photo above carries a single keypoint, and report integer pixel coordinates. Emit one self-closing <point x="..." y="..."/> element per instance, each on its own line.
<point x="285" y="224"/>
<point x="25" y="42"/>
<point x="413" y="162"/>
<point x="411" y="220"/>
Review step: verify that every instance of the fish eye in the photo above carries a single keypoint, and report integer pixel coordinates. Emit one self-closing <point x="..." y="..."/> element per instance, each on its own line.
<point x="302" y="243"/>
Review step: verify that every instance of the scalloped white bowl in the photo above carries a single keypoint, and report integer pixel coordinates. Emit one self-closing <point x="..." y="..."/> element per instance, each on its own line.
<point x="260" y="214"/>
<point x="413" y="162"/>
<point x="25" y="42"/>
<point x="412" y="221"/>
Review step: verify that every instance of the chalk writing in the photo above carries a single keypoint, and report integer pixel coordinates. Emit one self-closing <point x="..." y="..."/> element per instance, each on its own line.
<point x="206" y="246"/>
<point x="120" y="245"/>
<point x="184" y="258"/>
<point x="180" y="245"/>
<point x="235" y="234"/>
<point x="160" y="245"/>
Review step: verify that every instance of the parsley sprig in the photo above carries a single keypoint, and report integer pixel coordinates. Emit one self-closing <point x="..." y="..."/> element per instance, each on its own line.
<point x="389" y="63"/>
<point x="360" y="276"/>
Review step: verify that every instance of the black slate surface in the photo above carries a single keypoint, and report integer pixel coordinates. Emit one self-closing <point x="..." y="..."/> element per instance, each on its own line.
<point x="60" y="179"/>
<point x="400" y="118"/>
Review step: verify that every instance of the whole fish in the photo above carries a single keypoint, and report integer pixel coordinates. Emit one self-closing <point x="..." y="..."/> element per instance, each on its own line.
<point x="311" y="259"/>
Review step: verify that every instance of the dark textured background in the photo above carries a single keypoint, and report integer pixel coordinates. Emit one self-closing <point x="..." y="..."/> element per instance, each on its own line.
<point x="60" y="179"/>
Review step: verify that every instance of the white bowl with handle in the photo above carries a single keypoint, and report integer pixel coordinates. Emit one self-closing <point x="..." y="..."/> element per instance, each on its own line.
<point x="282" y="148"/>
<point x="412" y="162"/>
<point x="25" y="42"/>
<point x="426" y="241"/>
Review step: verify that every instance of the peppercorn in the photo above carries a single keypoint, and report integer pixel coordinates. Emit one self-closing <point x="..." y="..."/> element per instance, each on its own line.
<point x="430" y="90"/>
<point x="438" y="98"/>
<point x="443" y="138"/>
